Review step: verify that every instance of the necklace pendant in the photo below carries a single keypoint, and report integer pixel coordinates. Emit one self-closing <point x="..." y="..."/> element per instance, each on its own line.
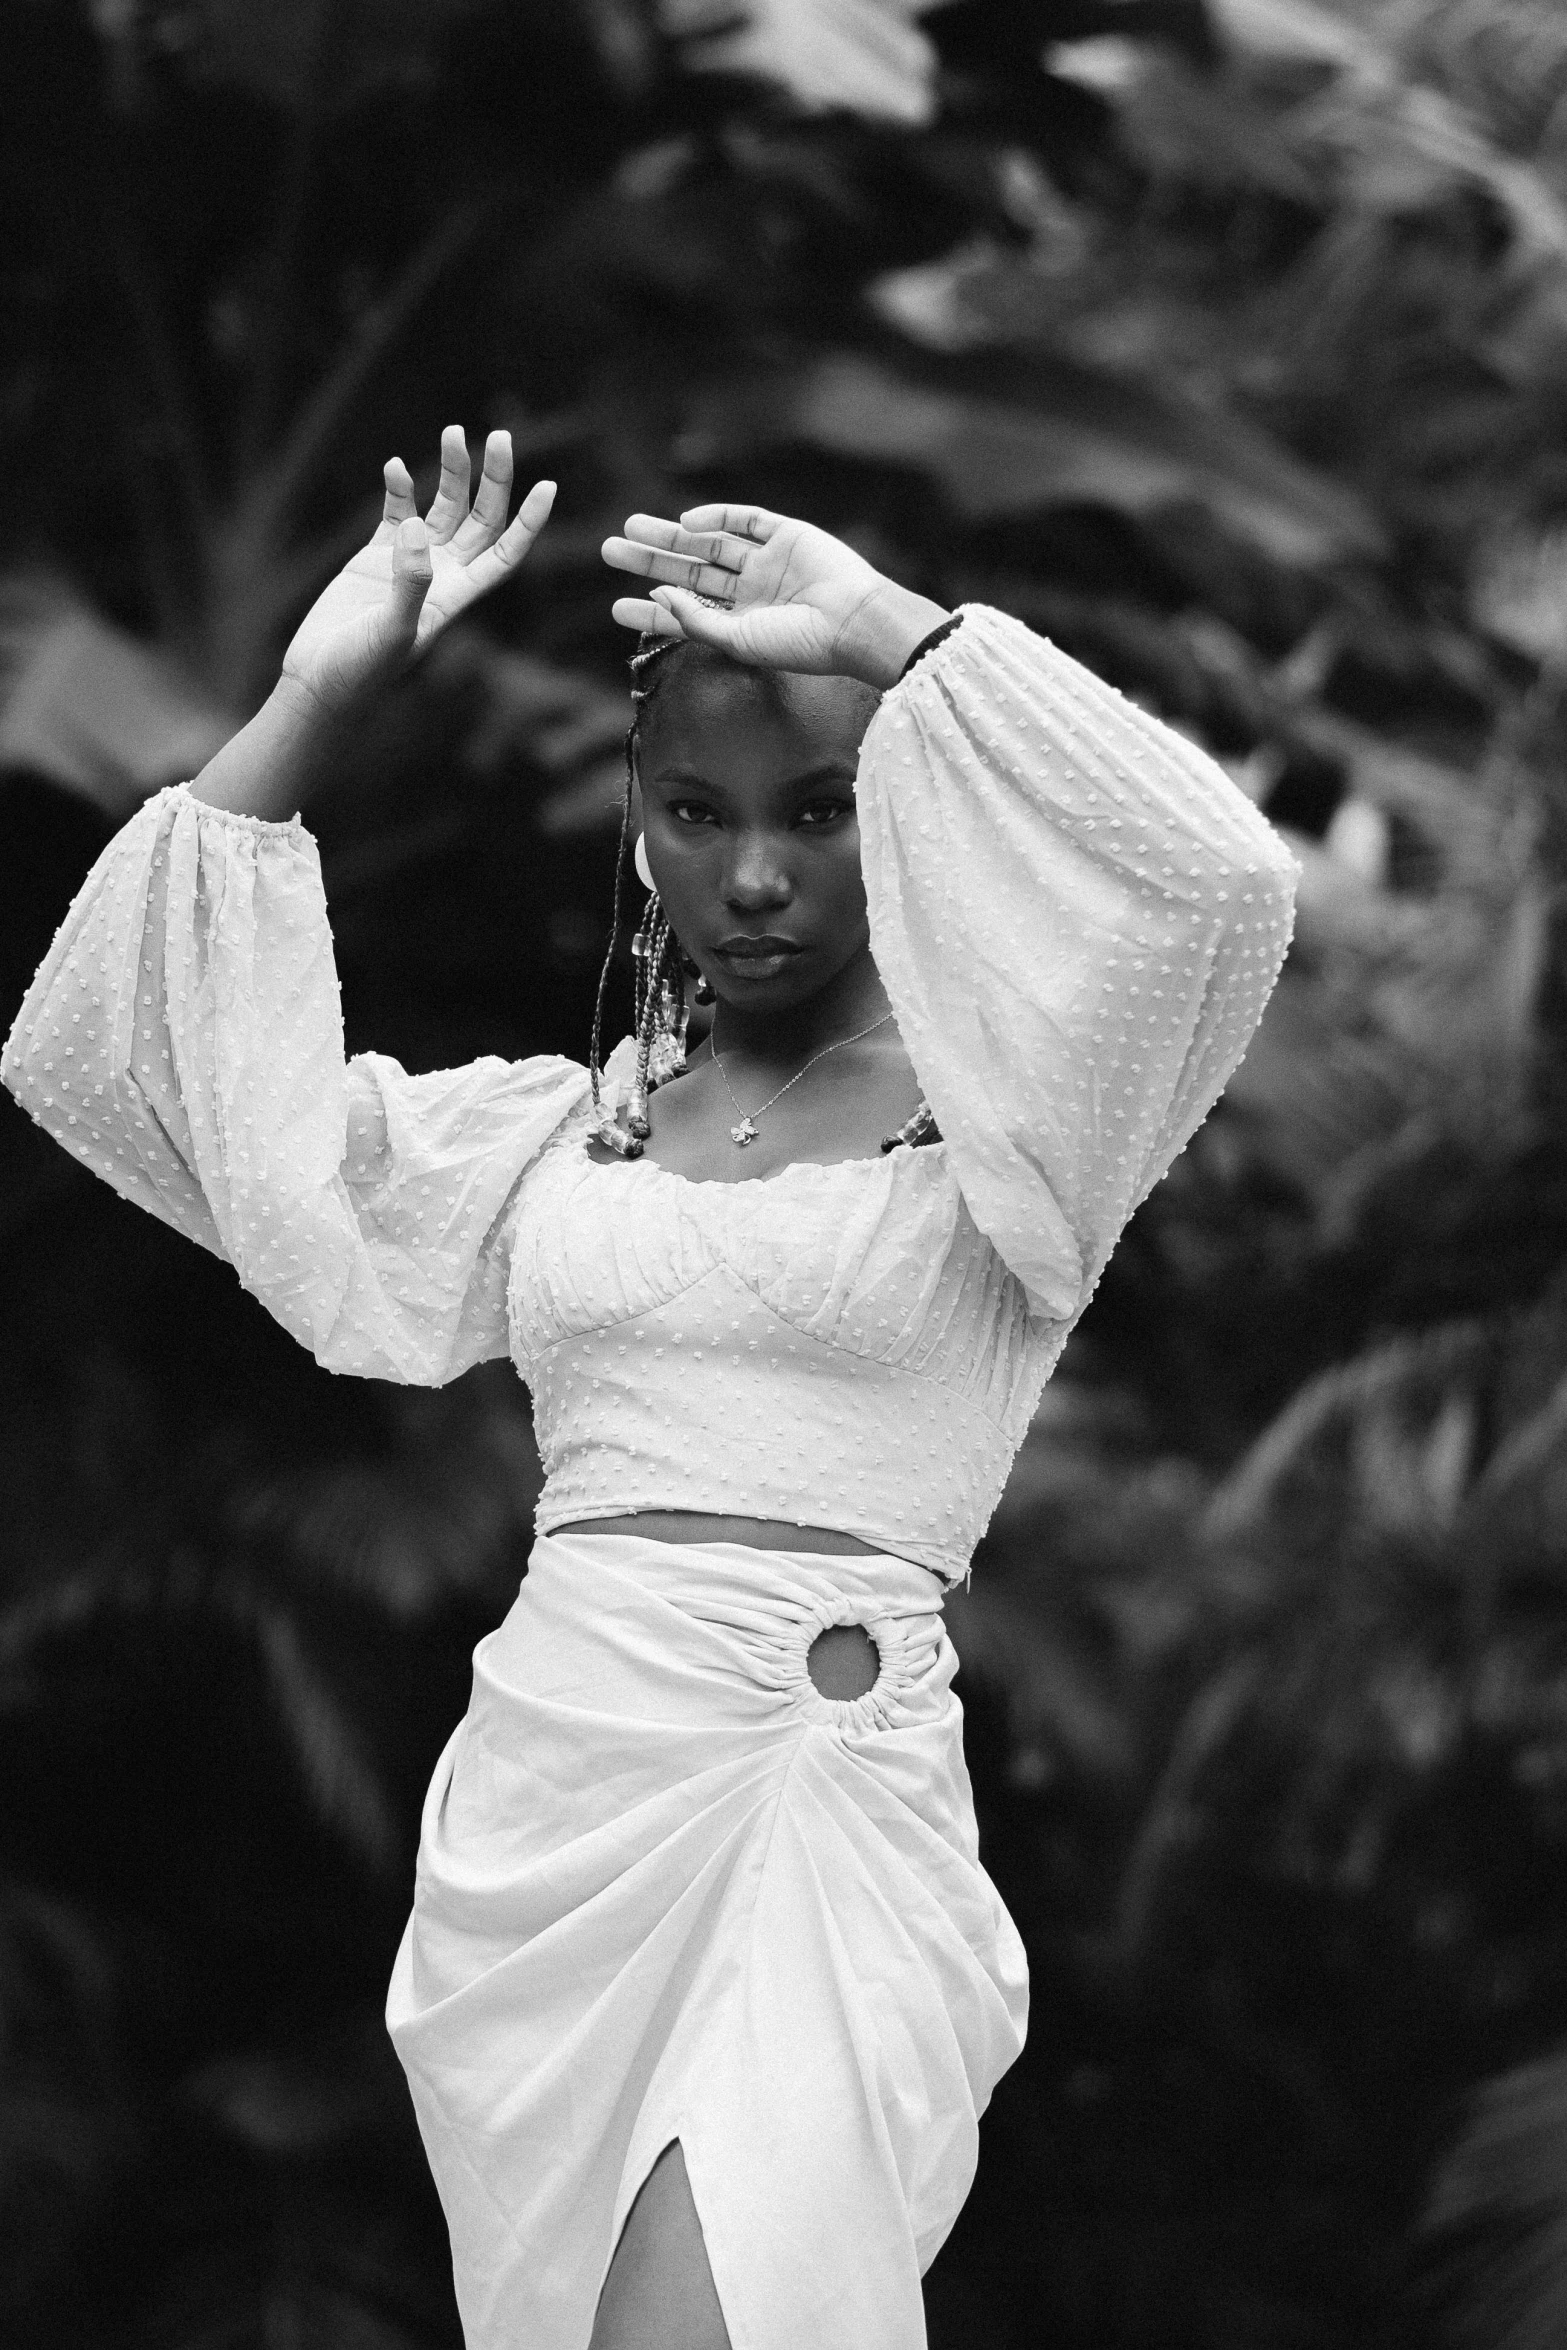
<point x="742" y="1134"/>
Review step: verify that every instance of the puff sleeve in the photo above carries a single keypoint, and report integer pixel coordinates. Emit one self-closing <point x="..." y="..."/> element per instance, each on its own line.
<point x="1078" y="919"/>
<point x="183" y="1039"/>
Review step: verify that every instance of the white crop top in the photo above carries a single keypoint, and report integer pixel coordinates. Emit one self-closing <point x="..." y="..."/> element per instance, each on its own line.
<point x="1078" y="919"/>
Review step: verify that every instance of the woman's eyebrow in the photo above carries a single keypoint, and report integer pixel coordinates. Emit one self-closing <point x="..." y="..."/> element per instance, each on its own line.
<point x="829" y="771"/>
<point x="678" y="774"/>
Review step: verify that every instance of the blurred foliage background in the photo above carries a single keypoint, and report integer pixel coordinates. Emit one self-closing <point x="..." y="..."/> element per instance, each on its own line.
<point x="1225" y="341"/>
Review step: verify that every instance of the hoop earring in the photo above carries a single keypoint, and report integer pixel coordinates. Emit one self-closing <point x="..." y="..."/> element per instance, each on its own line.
<point x="644" y="869"/>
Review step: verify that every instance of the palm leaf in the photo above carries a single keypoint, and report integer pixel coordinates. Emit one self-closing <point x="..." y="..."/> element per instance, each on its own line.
<point x="1499" y="2202"/>
<point x="1059" y="1708"/>
<point x="865" y="56"/>
<point x="90" y="706"/>
<point x="320" y="1733"/>
<point x="1395" y="1426"/>
<point x="1073" y="435"/>
<point x="346" y="1786"/>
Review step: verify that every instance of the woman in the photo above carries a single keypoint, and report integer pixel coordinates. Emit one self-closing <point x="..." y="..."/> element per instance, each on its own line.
<point x="705" y="1987"/>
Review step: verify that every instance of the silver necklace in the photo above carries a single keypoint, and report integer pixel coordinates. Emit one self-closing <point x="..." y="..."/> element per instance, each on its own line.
<point x="746" y="1130"/>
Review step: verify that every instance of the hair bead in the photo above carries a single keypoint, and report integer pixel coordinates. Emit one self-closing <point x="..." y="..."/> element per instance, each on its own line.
<point x="658" y="977"/>
<point x="915" y="1132"/>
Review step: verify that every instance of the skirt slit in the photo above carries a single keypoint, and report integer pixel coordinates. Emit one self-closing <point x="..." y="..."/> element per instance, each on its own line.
<point x="638" y="2180"/>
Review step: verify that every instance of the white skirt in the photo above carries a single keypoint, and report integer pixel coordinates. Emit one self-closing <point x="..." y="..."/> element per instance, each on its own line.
<point x="666" y="1889"/>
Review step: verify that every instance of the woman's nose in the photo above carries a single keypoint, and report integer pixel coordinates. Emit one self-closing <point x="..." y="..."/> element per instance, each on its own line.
<point x="756" y="877"/>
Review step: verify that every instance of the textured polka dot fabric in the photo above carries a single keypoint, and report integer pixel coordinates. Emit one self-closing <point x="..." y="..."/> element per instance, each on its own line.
<point x="837" y="1339"/>
<point x="1078" y="919"/>
<point x="184" y="1039"/>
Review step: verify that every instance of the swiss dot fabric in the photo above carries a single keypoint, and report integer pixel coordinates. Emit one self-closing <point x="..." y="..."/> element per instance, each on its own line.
<point x="184" y="1039"/>
<point x="834" y="1336"/>
<point x="1078" y="919"/>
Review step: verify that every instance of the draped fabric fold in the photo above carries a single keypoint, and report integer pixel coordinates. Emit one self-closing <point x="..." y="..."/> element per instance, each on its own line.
<point x="667" y="1889"/>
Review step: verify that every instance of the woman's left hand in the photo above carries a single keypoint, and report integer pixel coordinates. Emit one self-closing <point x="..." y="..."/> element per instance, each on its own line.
<point x="781" y="594"/>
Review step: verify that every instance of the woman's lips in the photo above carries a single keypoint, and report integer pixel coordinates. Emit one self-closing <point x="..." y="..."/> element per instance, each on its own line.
<point x="755" y="958"/>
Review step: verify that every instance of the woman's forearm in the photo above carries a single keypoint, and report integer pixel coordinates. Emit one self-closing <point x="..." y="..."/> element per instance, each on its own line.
<point x="265" y="770"/>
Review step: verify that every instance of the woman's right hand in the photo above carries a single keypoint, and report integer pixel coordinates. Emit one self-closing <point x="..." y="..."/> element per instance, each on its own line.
<point x="414" y="576"/>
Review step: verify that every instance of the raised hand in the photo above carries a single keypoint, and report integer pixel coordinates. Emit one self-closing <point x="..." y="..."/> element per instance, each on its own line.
<point x="413" y="577"/>
<point x="769" y="591"/>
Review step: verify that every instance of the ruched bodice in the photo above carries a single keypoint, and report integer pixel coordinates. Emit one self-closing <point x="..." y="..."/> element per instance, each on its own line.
<point x="832" y="1338"/>
<point x="1078" y="919"/>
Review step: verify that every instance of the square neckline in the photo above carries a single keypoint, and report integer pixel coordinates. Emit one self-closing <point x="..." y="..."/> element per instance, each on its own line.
<point x="717" y="1183"/>
<point x="740" y="1182"/>
<point x="752" y="1182"/>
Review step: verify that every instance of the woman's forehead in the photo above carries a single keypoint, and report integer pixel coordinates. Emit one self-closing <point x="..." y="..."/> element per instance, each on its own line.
<point x="721" y="705"/>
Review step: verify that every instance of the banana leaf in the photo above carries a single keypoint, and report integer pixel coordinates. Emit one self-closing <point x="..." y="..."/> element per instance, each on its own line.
<point x="1067" y="435"/>
<point x="91" y="707"/>
<point x="865" y="56"/>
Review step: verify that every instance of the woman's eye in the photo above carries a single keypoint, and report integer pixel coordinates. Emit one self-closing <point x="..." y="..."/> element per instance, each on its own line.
<point x="822" y="812"/>
<point x="690" y="812"/>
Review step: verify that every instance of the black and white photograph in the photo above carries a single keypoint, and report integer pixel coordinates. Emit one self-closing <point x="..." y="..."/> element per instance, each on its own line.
<point x="783" y="1161"/>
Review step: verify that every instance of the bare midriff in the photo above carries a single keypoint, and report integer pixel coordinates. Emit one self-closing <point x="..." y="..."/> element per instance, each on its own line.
<point x="701" y="1526"/>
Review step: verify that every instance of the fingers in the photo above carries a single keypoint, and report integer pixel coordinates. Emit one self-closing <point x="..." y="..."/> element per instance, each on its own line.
<point x="696" y="620"/>
<point x="708" y="546"/>
<point x="752" y="523"/>
<point x="449" y="508"/>
<point x="492" y="500"/>
<point x="647" y="619"/>
<point x="488" y="568"/>
<point x="720" y="550"/>
<point x="412" y="572"/>
<point x="399" y="494"/>
<point x="707" y="563"/>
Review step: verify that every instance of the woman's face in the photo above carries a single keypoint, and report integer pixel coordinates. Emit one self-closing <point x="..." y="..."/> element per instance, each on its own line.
<point x="749" y="817"/>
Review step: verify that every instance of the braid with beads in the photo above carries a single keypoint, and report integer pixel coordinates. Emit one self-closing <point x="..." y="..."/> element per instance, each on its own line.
<point x="659" y="979"/>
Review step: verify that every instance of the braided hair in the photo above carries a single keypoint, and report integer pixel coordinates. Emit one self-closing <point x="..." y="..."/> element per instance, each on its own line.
<point x="660" y="965"/>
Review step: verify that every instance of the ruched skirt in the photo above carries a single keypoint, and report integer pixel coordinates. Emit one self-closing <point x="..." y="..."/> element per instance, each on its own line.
<point x="668" y="1889"/>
